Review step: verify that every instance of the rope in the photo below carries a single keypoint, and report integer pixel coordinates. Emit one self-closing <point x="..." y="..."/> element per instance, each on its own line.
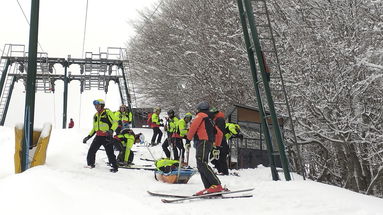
<point x="83" y="39"/>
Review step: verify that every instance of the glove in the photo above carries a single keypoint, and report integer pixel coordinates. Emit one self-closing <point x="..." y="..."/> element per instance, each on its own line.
<point x="86" y="139"/>
<point x="215" y="153"/>
<point x="161" y="120"/>
<point x="118" y="130"/>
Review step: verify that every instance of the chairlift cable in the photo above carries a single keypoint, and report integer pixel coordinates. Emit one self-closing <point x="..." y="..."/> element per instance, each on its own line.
<point x="83" y="39"/>
<point x="82" y="56"/>
<point x="26" y="18"/>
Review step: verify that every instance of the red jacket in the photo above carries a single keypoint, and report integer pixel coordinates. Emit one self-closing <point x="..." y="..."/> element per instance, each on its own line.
<point x="71" y="124"/>
<point x="202" y="131"/>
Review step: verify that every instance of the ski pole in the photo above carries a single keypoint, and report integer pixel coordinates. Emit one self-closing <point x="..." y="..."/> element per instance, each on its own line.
<point x="150" y="153"/>
<point x="179" y="168"/>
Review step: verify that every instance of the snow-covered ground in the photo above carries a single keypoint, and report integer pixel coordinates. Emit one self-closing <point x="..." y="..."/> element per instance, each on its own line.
<point x="64" y="186"/>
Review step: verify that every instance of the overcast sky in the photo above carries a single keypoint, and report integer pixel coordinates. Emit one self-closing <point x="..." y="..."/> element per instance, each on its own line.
<point x="61" y="30"/>
<point x="61" y="24"/>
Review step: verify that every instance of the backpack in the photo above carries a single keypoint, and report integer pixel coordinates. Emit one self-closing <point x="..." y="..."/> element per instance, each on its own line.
<point x="211" y="128"/>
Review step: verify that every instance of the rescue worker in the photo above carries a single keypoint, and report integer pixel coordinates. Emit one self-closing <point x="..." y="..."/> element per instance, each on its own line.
<point x="233" y="131"/>
<point x="205" y="134"/>
<point x="156" y="123"/>
<point x="104" y="124"/>
<point x="124" y="142"/>
<point x="124" y="117"/>
<point x="181" y="129"/>
<point x="170" y="128"/>
<point x="221" y="163"/>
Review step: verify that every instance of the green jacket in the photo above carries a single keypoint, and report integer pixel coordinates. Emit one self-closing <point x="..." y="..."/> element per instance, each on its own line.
<point x="232" y="130"/>
<point x="172" y="127"/>
<point x="155" y="119"/>
<point x="165" y="162"/>
<point x="124" y="116"/>
<point x="103" y="122"/>
<point x="182" y="128"/>
<point x="127" y="140"/>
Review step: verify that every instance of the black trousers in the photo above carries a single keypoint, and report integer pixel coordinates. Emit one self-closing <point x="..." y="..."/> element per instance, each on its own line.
<point x="221" y="163"/>
<point x="179" y="148"/>
<point x="165" y="145"/>
<point x="99" y="141"/>
<point x="156" y="131"/>
<point x="202" y="156"/>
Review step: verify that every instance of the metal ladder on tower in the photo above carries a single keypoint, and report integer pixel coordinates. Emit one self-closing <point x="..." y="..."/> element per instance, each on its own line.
<point x="44" y="84"/>
<point x="116" y="53"/>
<point x="7" y="81"/>
<point x="264" y="61"/>
<point x="5" y="97"/>
<point x="94" y="73"/>
<point x="129" y="83"/>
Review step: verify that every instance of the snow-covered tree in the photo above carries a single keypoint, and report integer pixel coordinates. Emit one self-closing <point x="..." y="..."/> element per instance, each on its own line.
<point x="332" y="50"/>
<point x="191" y="51"/>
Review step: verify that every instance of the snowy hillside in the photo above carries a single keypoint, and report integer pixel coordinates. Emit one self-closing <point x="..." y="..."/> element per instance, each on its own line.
<point x="63" y="186"/>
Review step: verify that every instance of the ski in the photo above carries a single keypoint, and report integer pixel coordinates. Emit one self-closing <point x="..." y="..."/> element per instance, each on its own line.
<point x="135" y="166"/>
<point x="144" y="167"/>
<point x="209" y="196"/>
<point x="146" y="159"/>
<point x="230" y="174"/>
<point x="181" y="196"/>
<point x="166" y="195"/>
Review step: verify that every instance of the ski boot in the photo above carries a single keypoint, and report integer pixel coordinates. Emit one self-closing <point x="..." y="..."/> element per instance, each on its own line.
<point x="212" y="189"/>
<point x="114" y="170"/>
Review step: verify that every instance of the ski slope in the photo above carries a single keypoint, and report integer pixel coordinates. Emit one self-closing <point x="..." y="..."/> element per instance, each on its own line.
<point x="64" y="186"/>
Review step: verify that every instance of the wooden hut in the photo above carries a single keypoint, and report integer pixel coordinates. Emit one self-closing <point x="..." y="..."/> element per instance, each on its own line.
<point x="252" y="150"/>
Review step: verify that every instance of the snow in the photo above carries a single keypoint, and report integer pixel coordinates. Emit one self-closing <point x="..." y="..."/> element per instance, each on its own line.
<point x="63" y="186"/>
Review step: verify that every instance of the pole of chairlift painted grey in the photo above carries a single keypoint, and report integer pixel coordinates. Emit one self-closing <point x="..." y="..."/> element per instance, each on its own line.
<point x="31" y="84"/>
<point x="65" y="103"/>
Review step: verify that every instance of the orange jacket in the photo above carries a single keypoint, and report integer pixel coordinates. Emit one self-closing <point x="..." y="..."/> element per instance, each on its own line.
<point x="202" y="131"/>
